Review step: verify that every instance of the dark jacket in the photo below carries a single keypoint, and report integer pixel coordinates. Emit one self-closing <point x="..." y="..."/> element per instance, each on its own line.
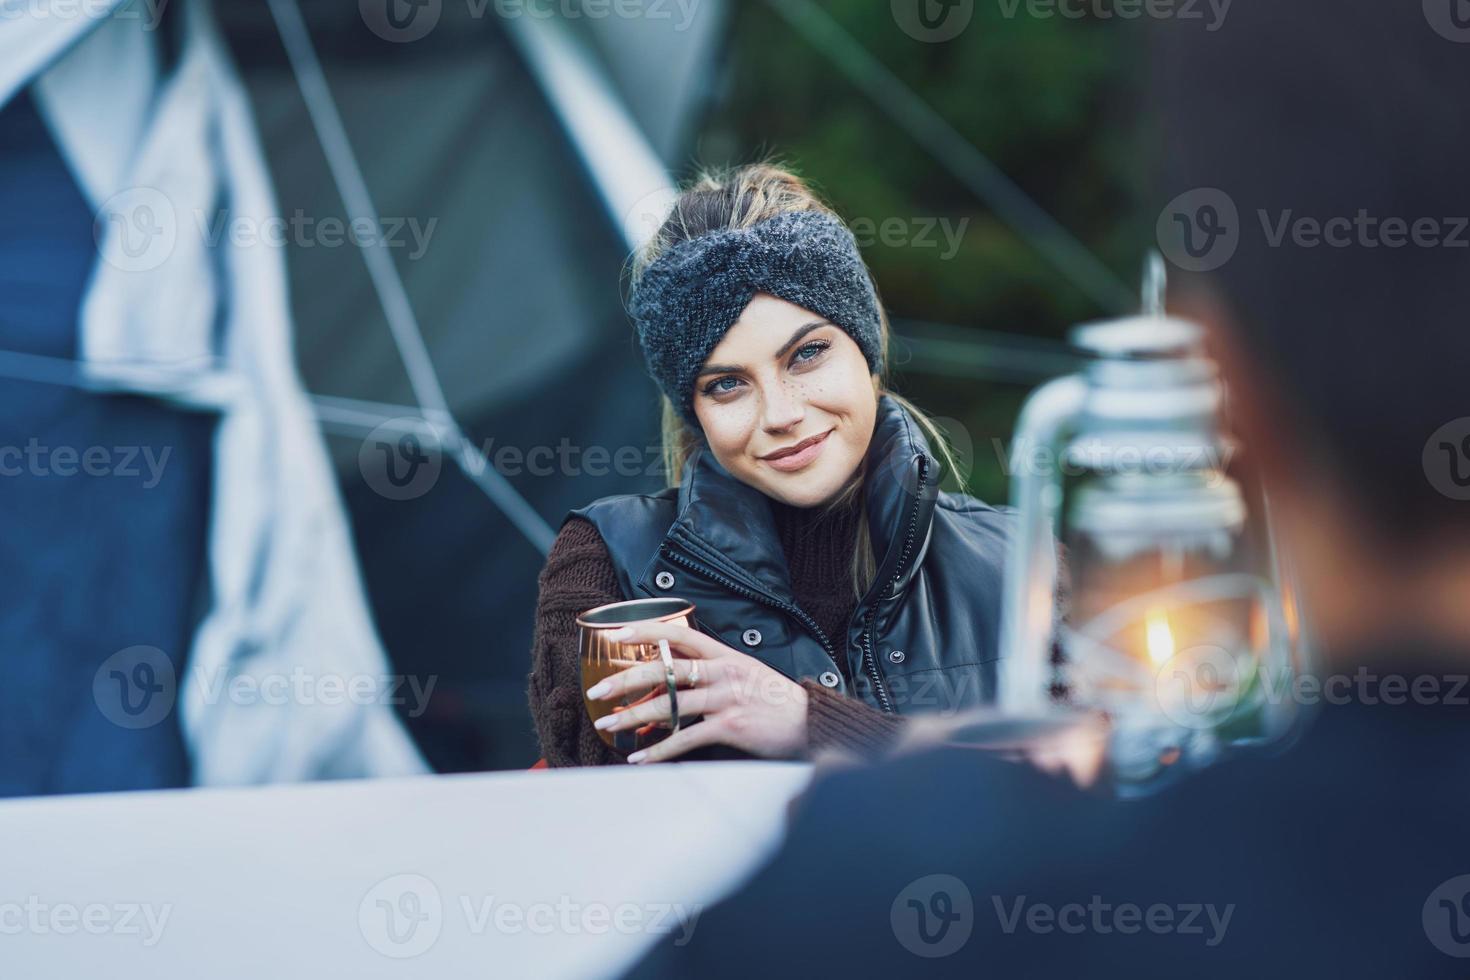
<point x="924" y="638"/>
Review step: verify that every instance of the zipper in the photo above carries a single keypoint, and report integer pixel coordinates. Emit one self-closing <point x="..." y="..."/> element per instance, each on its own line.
<point x="757" y="595"/>
<point x="870" y="663"/>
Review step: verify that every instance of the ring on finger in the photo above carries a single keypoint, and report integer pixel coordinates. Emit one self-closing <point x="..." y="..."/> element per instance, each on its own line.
<point x="669" y="681"/>
<point x="694" y="674"/>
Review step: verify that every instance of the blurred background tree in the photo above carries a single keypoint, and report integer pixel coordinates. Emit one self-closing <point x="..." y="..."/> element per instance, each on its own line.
<point x="1050" y="101"/>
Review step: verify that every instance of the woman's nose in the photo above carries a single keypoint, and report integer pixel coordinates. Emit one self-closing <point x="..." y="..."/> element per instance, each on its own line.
<point x="783" y="409"/>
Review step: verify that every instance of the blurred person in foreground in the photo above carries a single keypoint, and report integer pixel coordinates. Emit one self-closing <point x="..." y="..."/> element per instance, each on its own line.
<point x="1345" y="855"/>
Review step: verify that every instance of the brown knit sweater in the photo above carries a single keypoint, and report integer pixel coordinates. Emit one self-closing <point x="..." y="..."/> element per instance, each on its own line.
<point x="579" y="575"/>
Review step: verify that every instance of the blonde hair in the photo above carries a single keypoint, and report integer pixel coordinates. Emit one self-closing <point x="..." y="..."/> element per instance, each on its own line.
<point x="738" y="198"/>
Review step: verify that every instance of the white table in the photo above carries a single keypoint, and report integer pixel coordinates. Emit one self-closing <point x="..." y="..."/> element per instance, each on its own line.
<point x="534" y="874"/>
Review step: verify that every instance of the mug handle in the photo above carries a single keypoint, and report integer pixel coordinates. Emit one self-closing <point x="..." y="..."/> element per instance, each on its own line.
<point x="667" y="656"/>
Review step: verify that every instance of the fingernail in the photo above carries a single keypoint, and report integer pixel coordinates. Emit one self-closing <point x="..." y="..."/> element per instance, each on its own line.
<point x="599" y="690"/>
<point x="637" y="757"/>
<point x="621" y="633"/>
<point x="606" y="721"/>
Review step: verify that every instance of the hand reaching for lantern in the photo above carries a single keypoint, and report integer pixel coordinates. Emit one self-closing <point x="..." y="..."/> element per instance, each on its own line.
<point x="744" y="703"/>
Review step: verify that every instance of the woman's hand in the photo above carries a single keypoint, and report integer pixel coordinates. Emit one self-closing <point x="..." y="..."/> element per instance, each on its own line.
<point x="744" y="703"/>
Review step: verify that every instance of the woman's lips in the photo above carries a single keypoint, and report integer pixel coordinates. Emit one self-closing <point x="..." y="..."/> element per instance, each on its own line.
<point x="800" y="460"/>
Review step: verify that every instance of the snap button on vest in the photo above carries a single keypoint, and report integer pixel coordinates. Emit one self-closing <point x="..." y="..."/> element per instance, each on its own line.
<point x="829" y="679"/>
<point x="664" y="580"/>
<point x="896" y="656"/>
<point x="752" y="638"/>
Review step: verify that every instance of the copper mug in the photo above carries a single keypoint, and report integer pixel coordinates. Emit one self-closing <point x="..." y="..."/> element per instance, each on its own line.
<point x="601" y="658"/>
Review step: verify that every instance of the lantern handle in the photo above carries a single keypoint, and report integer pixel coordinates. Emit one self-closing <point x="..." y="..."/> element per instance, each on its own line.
<point x="1028" y="608"/>
<point x="1155" y="284"/>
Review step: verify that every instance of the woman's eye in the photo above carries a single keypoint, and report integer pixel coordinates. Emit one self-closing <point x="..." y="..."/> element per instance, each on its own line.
<point x="811" y="351"/>
<point x="803" y="355"/>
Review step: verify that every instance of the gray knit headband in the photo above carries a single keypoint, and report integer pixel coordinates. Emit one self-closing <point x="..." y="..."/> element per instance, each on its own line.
<point x="694" y="292"/>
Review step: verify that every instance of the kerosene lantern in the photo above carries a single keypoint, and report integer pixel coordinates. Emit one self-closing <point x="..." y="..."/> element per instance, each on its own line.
<point x="1181" y="623"/>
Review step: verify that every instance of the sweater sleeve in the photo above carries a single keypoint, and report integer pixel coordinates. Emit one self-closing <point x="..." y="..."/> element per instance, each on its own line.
<point x="835" y="721"/>
<point x="578" y="575"/>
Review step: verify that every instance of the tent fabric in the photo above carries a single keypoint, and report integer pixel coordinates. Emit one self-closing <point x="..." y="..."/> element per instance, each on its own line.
<point x="106" y="502"/>
<point x="518" y="293"/>
<point x="206" y="327"/>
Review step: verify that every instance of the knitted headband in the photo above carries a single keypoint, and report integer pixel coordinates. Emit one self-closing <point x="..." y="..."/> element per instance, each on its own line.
<point x="695" y="291"/>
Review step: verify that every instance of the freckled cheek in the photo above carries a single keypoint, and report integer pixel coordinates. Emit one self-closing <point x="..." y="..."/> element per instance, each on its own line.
<point x="818" y="392"/>
<point x="729" y="428"/>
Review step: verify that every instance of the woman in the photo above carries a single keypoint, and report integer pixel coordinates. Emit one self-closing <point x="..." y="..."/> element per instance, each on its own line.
<point x="836" y="589"/>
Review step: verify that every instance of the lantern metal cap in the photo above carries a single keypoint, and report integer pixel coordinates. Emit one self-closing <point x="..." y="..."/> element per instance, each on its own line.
<point x="1140" y="337"/>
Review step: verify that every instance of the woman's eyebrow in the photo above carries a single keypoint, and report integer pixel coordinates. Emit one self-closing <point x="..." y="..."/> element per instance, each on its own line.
<point x="795" y="338"/>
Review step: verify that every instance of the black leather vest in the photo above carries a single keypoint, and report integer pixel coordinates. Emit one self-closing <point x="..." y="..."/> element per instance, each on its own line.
<point x="926" y="636"/>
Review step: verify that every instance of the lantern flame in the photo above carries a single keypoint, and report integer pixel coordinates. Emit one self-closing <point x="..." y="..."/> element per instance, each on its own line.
<point x="1160" y="638"/>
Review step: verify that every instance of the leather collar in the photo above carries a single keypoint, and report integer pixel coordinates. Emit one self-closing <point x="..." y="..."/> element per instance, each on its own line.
<point x="722" y="515"/>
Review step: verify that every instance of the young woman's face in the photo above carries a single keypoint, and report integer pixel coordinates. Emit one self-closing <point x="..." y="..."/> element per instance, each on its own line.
<point x="783" y="377"/>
